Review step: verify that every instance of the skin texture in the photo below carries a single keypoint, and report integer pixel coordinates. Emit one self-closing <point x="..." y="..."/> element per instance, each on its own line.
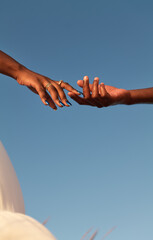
<point x="54" y="95"/>
<point x="101" y="95"/>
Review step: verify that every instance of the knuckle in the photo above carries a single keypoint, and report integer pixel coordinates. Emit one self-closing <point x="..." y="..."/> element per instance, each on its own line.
<point x="59" y="89"/>
<point x="20" y="82"/>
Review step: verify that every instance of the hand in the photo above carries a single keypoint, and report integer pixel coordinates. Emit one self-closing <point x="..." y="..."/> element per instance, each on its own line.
<point x="37" y="83"/>
<point x="99" y="95"/>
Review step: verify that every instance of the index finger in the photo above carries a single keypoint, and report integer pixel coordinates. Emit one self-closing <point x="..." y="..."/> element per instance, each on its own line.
<point x="69" y="88"/>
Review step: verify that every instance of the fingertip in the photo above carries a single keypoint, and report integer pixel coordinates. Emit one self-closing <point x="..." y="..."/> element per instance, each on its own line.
<point x="59" y="103"/>
<point x="69" y="104"/>
<point x="86" y="78"/>
<point x="80" y="83"/>
<point x="46" y="102"/>
<point x="71" y="94"/>
<point x="96" y="78"/>
<point x="80" y="93"/>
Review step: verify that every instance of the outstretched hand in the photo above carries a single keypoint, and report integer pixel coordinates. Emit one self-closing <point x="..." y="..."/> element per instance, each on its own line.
<point x="50" y="91"/>
<point x="99" y="95"/>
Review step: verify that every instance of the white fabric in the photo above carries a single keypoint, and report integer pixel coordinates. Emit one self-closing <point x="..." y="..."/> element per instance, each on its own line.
<point x="14" y="224"/>
<point x="17" y="226"/>
<point x="11" y="198"/>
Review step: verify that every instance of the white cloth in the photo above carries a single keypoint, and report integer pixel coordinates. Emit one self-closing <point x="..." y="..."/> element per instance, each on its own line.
<point x="14" y="224"/>
<point x="11" y="198"/>
<point x="17" y="226"/>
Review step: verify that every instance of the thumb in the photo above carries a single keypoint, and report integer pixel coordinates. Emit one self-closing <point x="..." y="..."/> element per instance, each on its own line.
<point x="80" y="83"/>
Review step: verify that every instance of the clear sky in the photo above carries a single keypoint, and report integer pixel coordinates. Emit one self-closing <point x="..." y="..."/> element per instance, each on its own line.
<point x="81" y="166"/>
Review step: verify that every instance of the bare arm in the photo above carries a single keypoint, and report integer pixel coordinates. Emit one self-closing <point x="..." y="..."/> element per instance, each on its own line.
<point x="141" y="96"/>
<point x="9" y="66"/>
<point x="50" y="91"/>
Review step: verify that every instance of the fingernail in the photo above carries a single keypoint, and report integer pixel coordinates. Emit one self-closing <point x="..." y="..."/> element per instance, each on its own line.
<point x="85" y="78"/>
<point x="62" y="104"/>
<point x="54" y="109"/>
<point x="80" y="92"/>
<point x="70" y="104"/>
<point x="47" y="102"/>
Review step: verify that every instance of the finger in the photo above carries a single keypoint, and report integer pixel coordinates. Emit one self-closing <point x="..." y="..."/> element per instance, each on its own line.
<point x="51" y="103"/>
<point x="69" y="88"/>
<point x="94" y="100"/>
<point x="61" y="94"/>
<point x="79" y="100"/>
<point x="33" y="90"/>
<point x="103" y="92"/>
<point x="86" y="89"/>
<point x="104" y="95"/>
<point x="95" y="93"/>
<point x="45" y="98"/>
<point x="54" y="94"/>
<point x="80" y="84"/>
<point x="95" y="90"/>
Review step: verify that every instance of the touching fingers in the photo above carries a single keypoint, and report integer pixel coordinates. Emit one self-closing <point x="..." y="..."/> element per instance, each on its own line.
<point x="51" y="92"/>
<point x="91" y="92"/>
<point x="69" y="88"/>
<point x="79" y="100"/>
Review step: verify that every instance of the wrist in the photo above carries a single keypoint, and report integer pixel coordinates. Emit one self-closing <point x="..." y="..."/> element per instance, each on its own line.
<point x="128" y="98"/>
<point x="124" y="97"/>
<point x="20" y="70"/>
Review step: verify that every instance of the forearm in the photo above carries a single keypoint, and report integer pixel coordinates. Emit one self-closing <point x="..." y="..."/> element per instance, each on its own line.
<point x="140" y="96"/>
<point x="9" y="66"/>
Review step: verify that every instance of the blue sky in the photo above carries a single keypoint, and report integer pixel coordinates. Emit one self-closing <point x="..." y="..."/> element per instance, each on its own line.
<point x="81" y="166"/>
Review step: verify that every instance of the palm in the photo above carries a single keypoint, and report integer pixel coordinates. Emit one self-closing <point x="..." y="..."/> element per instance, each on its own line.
<point x="115" y="94"/>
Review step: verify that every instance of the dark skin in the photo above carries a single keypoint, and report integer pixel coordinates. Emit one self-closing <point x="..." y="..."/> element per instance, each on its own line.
<point x="52" y="96"/>
<point x="101" y="95"/>
<point x="98" y="95"/>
